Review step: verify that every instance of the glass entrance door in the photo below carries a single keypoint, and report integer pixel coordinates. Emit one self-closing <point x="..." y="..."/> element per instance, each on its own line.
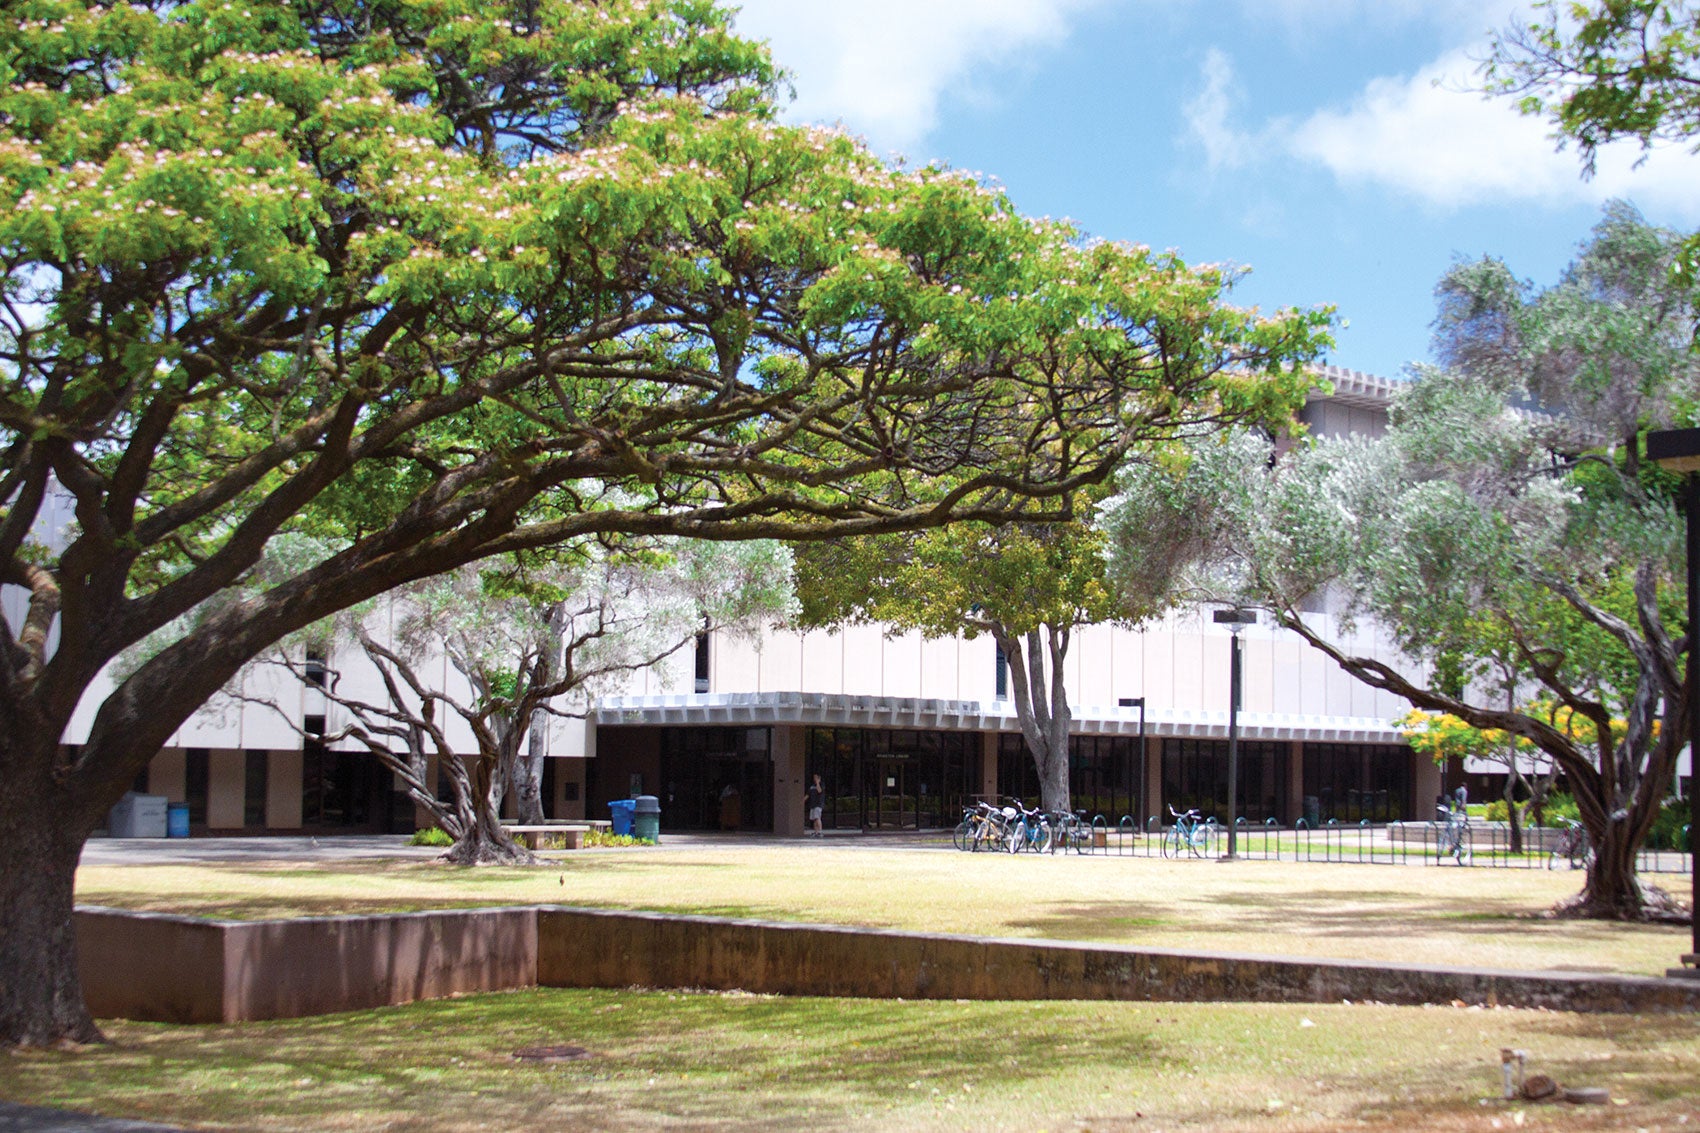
<point x="894" y="804"/>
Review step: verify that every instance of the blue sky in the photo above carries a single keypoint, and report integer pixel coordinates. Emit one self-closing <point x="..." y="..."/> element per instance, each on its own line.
<point x="1332" y="146"/>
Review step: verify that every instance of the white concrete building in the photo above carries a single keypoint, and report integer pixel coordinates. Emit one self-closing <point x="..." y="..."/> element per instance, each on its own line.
<point x="902" y="730"/>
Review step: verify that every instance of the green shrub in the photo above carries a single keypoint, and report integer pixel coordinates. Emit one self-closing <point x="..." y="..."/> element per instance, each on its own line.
<point x="1496" y="811"/>
<point x="1559" y="806"/>
<point x="597" y="837"/>
<point x="1666" y="833"/>
<point x="431" y="836"/>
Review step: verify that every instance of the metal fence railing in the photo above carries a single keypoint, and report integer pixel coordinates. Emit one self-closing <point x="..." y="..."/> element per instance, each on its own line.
<point x="1393" y="843"/>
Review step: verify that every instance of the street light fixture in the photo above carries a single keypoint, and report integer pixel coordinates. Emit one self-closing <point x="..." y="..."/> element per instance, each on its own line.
<point x="1139" y="788"/>
<point x="1235" y="619"/>
<point x="1678" y="450"/>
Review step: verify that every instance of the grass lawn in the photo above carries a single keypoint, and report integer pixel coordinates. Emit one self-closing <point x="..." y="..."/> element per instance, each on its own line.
<point x="692" y="1061"/>
<point x="1443" y="914"/>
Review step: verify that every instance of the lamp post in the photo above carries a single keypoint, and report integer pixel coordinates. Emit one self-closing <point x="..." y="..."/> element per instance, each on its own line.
<point x="1235" y="619"/>
<point x="1139" y="788"/>
<point x="1678" y="450"/>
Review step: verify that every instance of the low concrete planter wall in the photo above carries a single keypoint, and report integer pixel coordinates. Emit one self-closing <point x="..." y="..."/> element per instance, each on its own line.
<point x="589" y="948"/>
<point x="185" y="970"/>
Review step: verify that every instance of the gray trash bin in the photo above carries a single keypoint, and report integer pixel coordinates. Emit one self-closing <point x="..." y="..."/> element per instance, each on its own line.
<point x="137" y="816"/>
<point x="646" y="818"/>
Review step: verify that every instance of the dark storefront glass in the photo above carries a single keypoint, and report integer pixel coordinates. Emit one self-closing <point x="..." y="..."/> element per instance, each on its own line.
<point x="254" y="775"/>
<point x="891" y="779"/>
<point x="1353" y="782"/>
<point x="1195" y="777"/>
<point x="717" y="779"/>
<point x="1103" y="774"/>
<point x="348" y="790"/>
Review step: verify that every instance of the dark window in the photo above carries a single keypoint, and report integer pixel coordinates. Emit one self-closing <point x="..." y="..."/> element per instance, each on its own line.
<point x="1103" y="775"/>
<point x="1353" y="782"/>
<point x="254" y="789"/>
<point x="315" y="668"/>
<point x="1195" y="777"/>
<point x="702" y="663"/>
<point x="195" y="784"/>
<point x="1002" y="677"/>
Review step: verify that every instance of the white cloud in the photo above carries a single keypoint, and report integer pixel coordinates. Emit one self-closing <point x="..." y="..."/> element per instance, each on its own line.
<point x="1432" y="138"/>
<point x="1465" y="18"/>
<point x="882" y="66"/>
<point x="1207" y="116"/>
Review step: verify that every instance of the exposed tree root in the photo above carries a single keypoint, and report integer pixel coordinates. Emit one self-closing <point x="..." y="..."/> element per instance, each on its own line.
<point x="1656" y="907"/>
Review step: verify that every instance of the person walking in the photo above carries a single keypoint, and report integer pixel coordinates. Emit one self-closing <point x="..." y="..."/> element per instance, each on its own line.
<point x="815" y="802"/>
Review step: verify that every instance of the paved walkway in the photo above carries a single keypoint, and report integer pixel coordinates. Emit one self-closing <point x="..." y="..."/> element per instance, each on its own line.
<point x="357" y="847"/>
<point x="37" y="1119"/>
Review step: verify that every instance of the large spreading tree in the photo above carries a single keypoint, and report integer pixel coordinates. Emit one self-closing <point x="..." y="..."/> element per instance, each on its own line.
<point x="1027" y="586"/>
<point x="441" y="280"/>
<point x="1507" y="522"/>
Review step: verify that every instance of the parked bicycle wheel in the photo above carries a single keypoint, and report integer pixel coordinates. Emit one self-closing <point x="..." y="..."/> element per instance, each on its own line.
<point x="963" y="836"/>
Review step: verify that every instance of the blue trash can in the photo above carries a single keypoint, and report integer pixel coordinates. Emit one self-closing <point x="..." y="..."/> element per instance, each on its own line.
<point x="646" y="818"/>
<point x="177" y="820"/>
<point x="621" y="811"/>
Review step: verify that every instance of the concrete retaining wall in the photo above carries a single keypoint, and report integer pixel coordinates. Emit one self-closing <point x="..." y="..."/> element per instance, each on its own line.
<point x="185" y="970"/>
<point x="590" y="948"/>
<point x="180" y="969"/>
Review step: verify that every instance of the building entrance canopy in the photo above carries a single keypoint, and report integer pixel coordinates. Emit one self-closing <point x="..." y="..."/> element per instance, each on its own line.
<point x="835" y="711"/>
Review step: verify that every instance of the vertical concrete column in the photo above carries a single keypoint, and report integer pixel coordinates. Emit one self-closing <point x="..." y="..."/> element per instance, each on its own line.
<point x="1295" y="782"/>
<point x="166" y="774"/>
<point x="283" y="790"/>
<point x="788" y="784"/>
<point x="1153" y="780"/>
<point x="989" y="764"/>
<point x="572" y="771"/>
<point x="1425" y="785"/>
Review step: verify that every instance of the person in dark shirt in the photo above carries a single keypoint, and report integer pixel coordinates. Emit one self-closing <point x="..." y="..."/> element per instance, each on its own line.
<point x="815" y="801"/>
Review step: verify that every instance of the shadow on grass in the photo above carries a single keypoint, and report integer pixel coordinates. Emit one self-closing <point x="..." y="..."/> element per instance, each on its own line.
<point x="1337" y="915"/>
<point x="751" y="1061"/>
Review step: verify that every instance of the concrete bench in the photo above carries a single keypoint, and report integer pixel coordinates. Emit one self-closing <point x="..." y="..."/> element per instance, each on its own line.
<point x="571" y="833"/>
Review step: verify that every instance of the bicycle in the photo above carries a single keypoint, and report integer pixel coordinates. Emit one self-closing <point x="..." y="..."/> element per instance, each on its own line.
<point x="983" y="826"/>
<point x="1191" y="832"/>
<point x="1071" y="832"/>
<point x="1032" y="831"/>
<point x="1573" y="846"/>
<point x="1454" y="838"/>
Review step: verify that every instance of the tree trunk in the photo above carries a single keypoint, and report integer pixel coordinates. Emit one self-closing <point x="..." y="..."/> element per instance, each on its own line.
<point x="1041" y="706"/>
<point x="41" y="994"/>
<point x="483" y="841"/>
<point x="528" y="790"/>
<point x="1512" y="778"/>
<point x="1612" y="889"/>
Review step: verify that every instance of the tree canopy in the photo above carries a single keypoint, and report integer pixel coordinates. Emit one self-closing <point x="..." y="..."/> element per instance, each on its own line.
<point x="443" y="280"/>
<point x="1604" y="70"/>
<point x="1506" y="524"/>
